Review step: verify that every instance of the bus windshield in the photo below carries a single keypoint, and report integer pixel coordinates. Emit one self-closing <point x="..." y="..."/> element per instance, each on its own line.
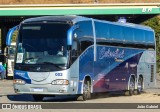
<point x="43" y="43"/>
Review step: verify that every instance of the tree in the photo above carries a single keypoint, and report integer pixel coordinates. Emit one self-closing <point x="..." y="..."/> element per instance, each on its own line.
<point x="155" y="24"/>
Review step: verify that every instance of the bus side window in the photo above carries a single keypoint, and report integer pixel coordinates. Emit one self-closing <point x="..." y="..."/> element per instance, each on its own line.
<point x="84" y="45"/>
<point x="74" y="50"/>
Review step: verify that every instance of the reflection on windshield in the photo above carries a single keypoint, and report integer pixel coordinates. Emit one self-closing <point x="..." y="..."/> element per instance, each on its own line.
<point x="40" y="59"/>
<point x="43" y="44"/>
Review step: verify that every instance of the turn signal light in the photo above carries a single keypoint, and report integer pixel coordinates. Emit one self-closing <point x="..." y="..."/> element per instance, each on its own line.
<point x="18" y="81"/>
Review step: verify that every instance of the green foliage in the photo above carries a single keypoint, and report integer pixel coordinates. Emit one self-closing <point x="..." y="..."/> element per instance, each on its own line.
<point x="155" y="24"/>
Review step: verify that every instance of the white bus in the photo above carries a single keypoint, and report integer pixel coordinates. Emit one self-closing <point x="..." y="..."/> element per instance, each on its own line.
<point x="10" y="55"/>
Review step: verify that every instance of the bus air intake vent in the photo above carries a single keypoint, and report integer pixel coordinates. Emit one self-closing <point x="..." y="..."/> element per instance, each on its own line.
<point x="152" y="73"/>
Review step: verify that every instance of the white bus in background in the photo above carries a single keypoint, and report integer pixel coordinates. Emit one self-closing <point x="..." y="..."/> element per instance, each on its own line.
<point x="10" y="55"/>
<point x="9" y="51"/>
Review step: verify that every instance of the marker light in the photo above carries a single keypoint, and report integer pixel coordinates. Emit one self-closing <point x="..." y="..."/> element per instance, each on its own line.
<point x="60" y="82"/>
<point x="122" y="20"/>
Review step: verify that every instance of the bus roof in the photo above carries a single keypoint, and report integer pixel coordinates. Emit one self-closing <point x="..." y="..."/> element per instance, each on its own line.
<point x="118" y="32"/>
<point x="125" y="33"/>
<point x="74" y="19"/>
<point x="66" y="19"/>
<point x="131" y="25"/>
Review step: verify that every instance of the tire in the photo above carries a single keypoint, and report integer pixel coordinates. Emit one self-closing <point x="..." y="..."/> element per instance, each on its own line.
<point x="38" y="97"/>
<point x="130" y="92"/>
<point x="9" y="77"/>
<point x="86" y="91"/>
<point x="140" y="85"/>
<point x="131" y="86"/>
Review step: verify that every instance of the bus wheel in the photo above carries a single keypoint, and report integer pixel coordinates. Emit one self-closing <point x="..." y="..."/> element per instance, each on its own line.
<point x="131" y="86"/>
<point x="38" y="97"/>
<point x="86" y="90"/>
<point x="140" y="85"/>
<point x="130" y="92"/>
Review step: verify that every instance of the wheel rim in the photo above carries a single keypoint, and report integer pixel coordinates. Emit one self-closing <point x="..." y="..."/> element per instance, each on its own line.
<point x="140" y="86"/>
<point x="131" y="86"/>
<point x="86" y="92"/>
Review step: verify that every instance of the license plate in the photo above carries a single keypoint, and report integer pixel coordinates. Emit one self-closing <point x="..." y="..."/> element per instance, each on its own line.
<point x="38" y="89"/>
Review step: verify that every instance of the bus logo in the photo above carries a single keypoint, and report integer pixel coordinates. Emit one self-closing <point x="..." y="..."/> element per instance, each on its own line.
<point x="108" y="53"/>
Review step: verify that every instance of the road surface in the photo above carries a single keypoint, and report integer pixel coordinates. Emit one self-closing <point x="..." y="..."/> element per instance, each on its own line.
<point x="149" y="96"/>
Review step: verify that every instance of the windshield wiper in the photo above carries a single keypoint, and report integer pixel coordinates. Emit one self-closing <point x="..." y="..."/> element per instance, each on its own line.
<point x="54" y="65"/>
<point x="30" y="58"/>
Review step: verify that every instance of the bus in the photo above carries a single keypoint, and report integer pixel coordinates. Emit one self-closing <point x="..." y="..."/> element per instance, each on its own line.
<point x="9" y="60"/>
<point x="9" y="51"/>
<point x="75" y="55"/>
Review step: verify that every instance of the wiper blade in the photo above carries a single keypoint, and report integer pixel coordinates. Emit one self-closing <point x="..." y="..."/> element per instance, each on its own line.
<point x="30" y="58"/>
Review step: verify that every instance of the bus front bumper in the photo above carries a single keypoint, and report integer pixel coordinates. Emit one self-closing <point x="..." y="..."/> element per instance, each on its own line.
<point x="47" y="89"/>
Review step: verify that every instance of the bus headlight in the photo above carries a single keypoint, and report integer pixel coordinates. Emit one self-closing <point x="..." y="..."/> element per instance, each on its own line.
<point x="60" y="82"/>
<point x="19" y="81"/>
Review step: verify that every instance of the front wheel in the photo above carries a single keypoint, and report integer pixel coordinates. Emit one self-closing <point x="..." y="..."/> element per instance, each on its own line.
<point x="86" y="91"/>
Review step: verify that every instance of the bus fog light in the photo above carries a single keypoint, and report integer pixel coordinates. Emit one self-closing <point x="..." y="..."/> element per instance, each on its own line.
<point x="62" y="91"/>
<point x="18" y="81"/>
<point x="60" y="82"/>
